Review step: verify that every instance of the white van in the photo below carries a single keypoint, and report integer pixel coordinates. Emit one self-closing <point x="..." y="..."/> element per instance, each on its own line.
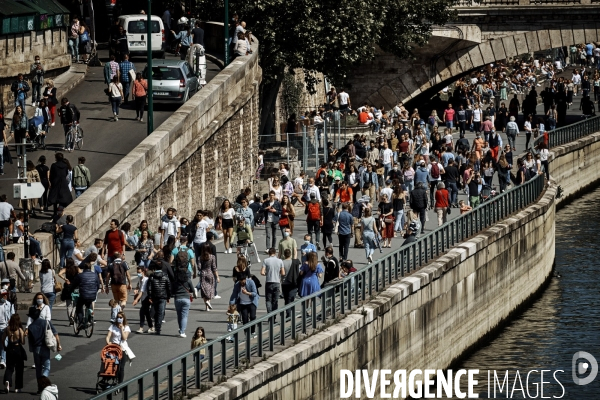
<point x="135" y="26"/>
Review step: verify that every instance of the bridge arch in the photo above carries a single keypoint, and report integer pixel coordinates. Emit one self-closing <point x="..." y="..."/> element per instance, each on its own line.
<point x="395" y="80"/>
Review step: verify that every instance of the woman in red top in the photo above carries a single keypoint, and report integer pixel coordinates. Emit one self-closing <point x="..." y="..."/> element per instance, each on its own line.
<point x="442" y="202"/>
<point x="140" y="90"/>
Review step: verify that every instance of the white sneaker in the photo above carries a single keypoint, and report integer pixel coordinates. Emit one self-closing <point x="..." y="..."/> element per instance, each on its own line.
<point x="182" y="335"/>
<point x="151" y="330"/>
<point x="217" y="297"/>
<point x="208" y="306"/>
<point x="141" y="330"/>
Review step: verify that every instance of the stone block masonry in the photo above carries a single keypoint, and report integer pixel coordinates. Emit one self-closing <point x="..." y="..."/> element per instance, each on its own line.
<point x="206" y="149"/>
<point x="19" y="51"/>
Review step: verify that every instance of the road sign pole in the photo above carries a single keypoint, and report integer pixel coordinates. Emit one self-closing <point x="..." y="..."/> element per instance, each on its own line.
<point x="150" y="126"/>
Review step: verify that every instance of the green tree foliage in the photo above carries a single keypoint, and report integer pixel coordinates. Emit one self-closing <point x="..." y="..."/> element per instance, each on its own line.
<point x="329" y="36"/>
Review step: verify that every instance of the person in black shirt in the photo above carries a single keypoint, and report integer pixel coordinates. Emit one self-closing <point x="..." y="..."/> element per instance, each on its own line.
<point x="452" y="176"/>
<point x="198" y="34"/>
<point x="473" y="184"/>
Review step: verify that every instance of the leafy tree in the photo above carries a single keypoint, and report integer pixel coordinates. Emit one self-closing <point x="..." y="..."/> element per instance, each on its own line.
<point x="329" y="36"/>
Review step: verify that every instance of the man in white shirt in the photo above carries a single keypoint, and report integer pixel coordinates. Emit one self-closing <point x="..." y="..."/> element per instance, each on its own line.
<point x="344" y="99"/>
<point x="6" y="212"/>
<point x="169" y="226"/>
<point x="202" y="228"/>
<point x="387" y="190"/>
<point x="312" y="188"/>
<point x="387" y="158"/>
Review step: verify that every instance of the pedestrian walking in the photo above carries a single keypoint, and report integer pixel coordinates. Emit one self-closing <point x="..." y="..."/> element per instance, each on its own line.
<point x="119" y="277"/>
<point x="82" y="178"/>
<point x="47" y="282"/>
<point x="20" y="87"/>
<point x="51" y="99"/>
<point x="345" y="221"/>
<point x="115" y="93"/>
<point x="19" y="125"/>
<point x="36" y="334"/>
<point x="273" y="270"/>
<point x="14" y="338"/>
<point x="69" y="236"/>
<point x="125" y="76"/>
<point x="207" y="270"/>
<point x="159" y="292"/>
<point x="245" y="297"/>
<point x="59" y="194"/>
<point x="183" y="290"/>
<point x="311" y="271"/>
<point x="69" y="115"/>
<point x="272" y="209"/>
<point x="369" y="229"/>
<point x="140" y="93"/>
<point x="141" y="295"/>
<point x="37" y="80"/>
<point x="291" y="280"/>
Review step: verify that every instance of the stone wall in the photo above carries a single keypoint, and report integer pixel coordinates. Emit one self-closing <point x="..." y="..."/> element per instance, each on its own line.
<point x="207" y="148"/>
<point x="19" y="51"/>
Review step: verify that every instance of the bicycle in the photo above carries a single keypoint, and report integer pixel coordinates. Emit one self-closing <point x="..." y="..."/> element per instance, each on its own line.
<point x="88" y="325"/>
<point x="75" y="135"/>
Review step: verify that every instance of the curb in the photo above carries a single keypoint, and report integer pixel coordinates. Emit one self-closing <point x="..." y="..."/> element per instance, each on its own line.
<point x="220" y="63"/>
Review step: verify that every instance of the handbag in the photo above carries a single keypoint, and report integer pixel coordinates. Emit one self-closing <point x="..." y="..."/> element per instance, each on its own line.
<point x="191" y="296"/>
<point x="448" y="210"/>
<point x="388" y="220"/>
<point x="50" y="339"/>
<point x="57" y="285"/>
<point x="284" y="221"/>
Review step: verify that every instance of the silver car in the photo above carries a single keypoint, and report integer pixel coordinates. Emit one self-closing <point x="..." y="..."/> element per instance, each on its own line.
<point x="173" y="81"/>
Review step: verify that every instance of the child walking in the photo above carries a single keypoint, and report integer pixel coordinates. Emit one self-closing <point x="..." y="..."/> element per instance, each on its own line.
<point x="232" y="319"/>
<point x="115" y="308"/>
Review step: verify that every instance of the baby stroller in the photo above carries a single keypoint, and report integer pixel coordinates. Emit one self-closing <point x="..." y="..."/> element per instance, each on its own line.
<point x="487" y="192"/>
<point x="108" y="376"/>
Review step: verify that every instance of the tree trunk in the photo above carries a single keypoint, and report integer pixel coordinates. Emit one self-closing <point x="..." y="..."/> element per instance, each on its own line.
<point x="268" y="98"/>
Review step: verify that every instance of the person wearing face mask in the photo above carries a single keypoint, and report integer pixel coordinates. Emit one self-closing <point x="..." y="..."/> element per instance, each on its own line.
<point x="6" y="311"/>
<point x="307" y="247"/>
<point x="39" y="309"/>
<point x="288" y="242"/>
<point x="11" y="289"/>
<point x="118" y="333"/>
<point x="88" y="284"/>
<point x="141" y="294"/>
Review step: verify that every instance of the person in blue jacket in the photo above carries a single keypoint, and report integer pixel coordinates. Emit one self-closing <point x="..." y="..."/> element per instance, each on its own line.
<point x="245" y="297"/>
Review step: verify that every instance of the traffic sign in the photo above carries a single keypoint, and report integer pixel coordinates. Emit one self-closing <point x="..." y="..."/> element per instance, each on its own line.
<point x="33" y="190"/>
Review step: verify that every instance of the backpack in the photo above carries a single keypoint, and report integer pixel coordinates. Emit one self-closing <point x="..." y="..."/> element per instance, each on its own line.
<point x="356" y="210"/>
<point x="435" y="170"/>
<point x="182" y="259"/>
<point x="314" y="211"/>
<point x="118" y="274"/>
<point x="432" y="120"/>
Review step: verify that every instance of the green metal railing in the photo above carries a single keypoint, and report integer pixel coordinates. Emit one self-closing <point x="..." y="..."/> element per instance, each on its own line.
<point x="570" y="133"/>
<point x="307" y="314"/>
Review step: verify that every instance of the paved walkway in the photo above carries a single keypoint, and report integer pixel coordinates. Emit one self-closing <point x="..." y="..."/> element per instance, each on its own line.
<point x="81" y="354"/>
<point x="105" y="142"/>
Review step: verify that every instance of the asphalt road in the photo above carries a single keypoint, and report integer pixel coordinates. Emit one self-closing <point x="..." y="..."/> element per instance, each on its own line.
<point x="105" y="141"/>
<point x="75" y="374"/>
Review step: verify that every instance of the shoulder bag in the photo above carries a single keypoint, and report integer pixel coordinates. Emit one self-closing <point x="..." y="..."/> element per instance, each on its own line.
<point x="50" y="339"/>
<point x="57" y="285"/>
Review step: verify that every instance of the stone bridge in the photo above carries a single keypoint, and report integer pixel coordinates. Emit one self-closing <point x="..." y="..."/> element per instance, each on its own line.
<point x="482" y="33"/>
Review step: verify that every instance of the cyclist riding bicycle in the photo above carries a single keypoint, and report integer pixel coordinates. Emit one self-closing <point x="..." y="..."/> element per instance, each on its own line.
<point x="243" y="232"/>
<point x="88" y="284"/>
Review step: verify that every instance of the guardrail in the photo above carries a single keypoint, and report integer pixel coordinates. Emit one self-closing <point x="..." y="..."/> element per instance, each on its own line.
<point x="308" y="313"/>
<point x="570" y="133"/>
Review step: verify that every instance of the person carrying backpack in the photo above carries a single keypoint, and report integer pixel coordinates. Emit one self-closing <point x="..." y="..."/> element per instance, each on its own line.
<point x="184" y="257"/>
<point x="314" y="219"/>
<point x="120" y="280"/>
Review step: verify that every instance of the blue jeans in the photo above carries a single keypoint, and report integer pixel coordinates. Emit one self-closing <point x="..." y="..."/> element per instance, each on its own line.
<point x="66" y="250"/>
<point x="74" y="47"/>
<point x="271" y="235"/>
<point x="369" y="242"/>
<point x="20" y="102"/>
<point x="51" y="297"/>
<point x="386" y="170"/>
<point x="159" y="305"/>
<point x="126" y="86"/>
<point x="115" y="102"/>
<point x="453" y="191"/>
<point x="41" y="358"/>
<point x="450" y="124"/>
<point x="399" y="215"/>
<point x="182" y="306"/>
<point x="79" y="192"/>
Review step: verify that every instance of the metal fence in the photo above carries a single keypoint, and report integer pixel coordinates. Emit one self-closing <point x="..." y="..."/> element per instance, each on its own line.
<point x="571" y="132"/>
<point x="189" y="370"/>
<point x="308" y="144"/>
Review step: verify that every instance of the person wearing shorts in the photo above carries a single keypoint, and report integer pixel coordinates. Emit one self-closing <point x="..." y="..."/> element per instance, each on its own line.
<point x="6" y="212"/>
<point x="120" y="279"/>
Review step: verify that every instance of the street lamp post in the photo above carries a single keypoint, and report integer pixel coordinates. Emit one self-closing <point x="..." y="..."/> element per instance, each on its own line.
<point x="150" y="125"/>
<point x="226" y="27"/>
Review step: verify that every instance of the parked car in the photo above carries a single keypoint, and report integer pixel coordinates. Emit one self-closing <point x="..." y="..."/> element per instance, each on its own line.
<point x="173" y="80"/>
<point x="137" y="33"/>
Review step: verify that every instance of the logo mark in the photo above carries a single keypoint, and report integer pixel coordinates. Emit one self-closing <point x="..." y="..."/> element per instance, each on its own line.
<point x="582" y="367"/>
